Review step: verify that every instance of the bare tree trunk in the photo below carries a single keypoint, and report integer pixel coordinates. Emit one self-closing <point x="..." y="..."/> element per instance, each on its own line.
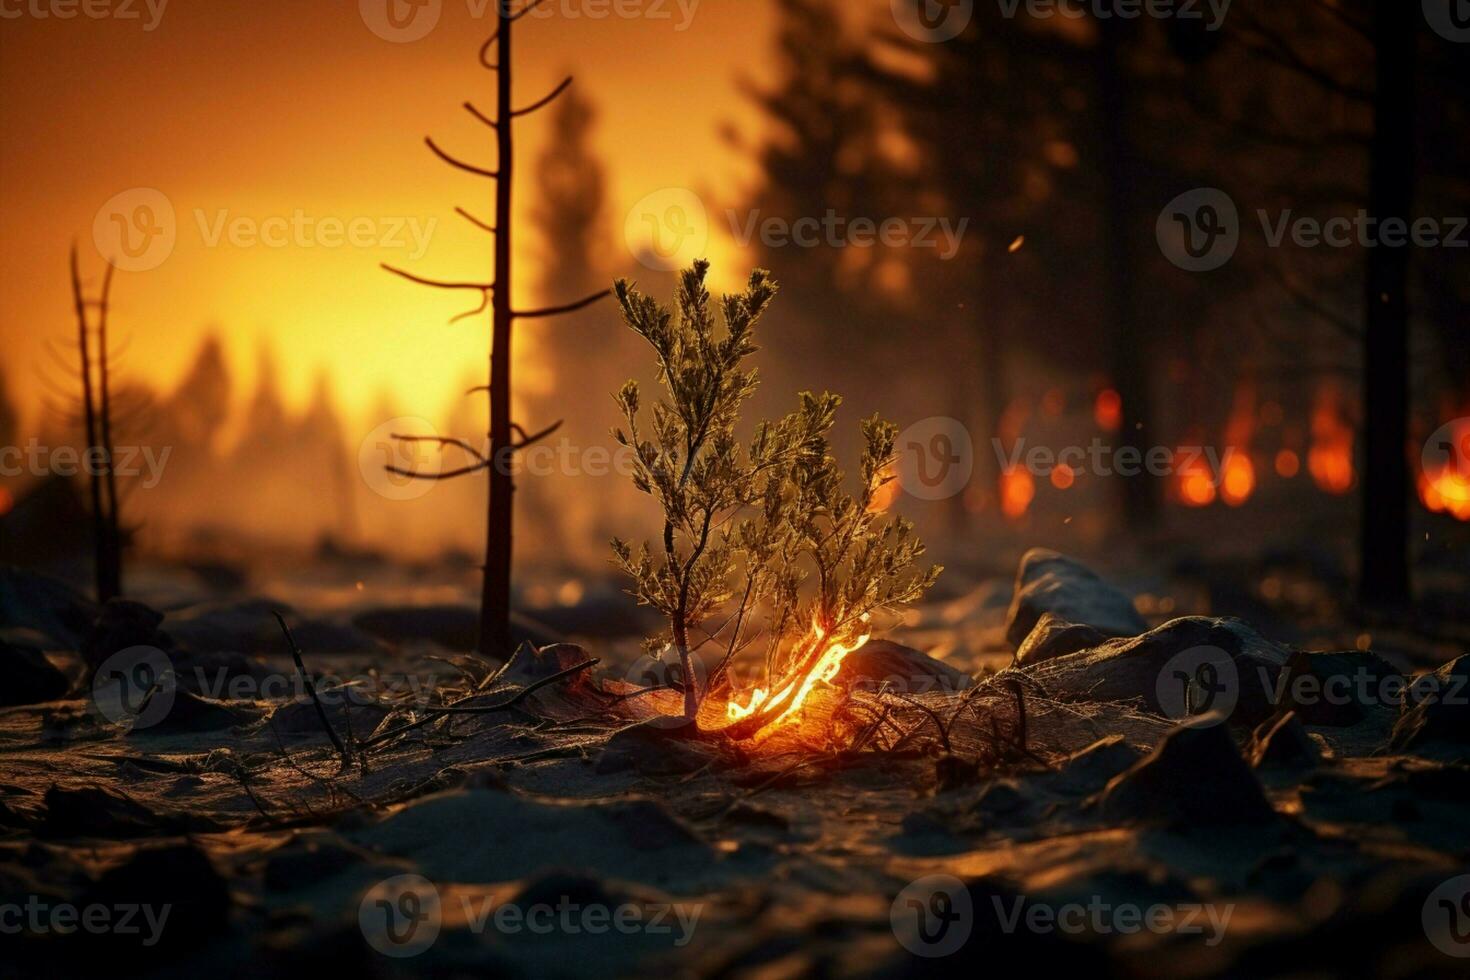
<point x="1125" y="326"/>
<point x="1384" y="570"/>
<point x="106" y="587"/>
<point x="506" y="437"/>
<point x="113" y="569"/>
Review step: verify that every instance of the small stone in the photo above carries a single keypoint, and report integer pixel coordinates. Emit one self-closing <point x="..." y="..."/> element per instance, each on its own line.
<point x="1283" y="743"/>
<point x="904" y="669"/>
<point x="1051" y="582"/>
<point x="122" y="624"/>
<point x="27" y="677"/>
<point x="1195" y="777"/>
<point x="1438" y="710"/>
<point x="1055" y="637"/>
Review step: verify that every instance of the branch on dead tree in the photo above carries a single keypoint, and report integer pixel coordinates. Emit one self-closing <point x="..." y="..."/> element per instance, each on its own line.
<point x="483" y="287"/>
<point x="566" y="83"/>
<point x="527" y="440"/>
<point x="444" y="475"/>
<point x="483" y="225"/>
<point x="443" y="441"/>
<point x="460" y="164"/>
<point x="559" y="310"/>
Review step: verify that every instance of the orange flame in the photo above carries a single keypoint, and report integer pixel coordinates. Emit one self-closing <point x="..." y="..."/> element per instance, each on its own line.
<point x="1238" y="470"/>
<point x="1446" y="489"/>
<point x="1330" y="460"/>
<point x="793" y="691"/>
<point x="1239" y="479"/>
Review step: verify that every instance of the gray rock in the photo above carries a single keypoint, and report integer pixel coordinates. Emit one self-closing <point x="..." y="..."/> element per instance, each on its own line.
<point x="27" y="677"/>
<point x="1055" y="637"/>
<point x="1283" y="743"/>
<point x="1195" y="777"/>
<point x="121" y="624"/>
<point x="1051" y="582"/>
<point x="1146" y="668"/>
<point x="1439" y="709"/>
<point x="45" y="605"/>
<point x="1089" y="770"/>
<point x="906" y="670"/>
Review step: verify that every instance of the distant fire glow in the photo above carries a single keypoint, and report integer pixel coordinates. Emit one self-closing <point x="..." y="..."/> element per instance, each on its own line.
<point x="1446" y="489"/>
<point x="1330" y="460"/>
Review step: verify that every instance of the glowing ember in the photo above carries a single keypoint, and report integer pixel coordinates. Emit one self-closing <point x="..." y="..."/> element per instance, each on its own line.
<point x="1195" y="486"/>
<point x="1238" y="471"/>
<point x="1108" y="410"/>
<point x="1288" y="464"/>
<point x="793" y="691"/>
<point x="1239" y="479"/>
<point x="1017" y="490"/>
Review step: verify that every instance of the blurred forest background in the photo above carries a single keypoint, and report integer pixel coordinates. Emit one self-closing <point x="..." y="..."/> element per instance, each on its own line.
<point x="1058" y="320"/>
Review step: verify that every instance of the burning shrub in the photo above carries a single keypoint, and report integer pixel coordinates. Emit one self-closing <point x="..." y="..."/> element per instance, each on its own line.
<point x="757" y="522"/>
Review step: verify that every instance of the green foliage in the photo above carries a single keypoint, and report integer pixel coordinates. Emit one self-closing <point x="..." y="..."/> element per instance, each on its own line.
<point x="759" y="521"/>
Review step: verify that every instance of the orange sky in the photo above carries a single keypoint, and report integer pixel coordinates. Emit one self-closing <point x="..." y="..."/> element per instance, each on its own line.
<point x="297" y="111"/>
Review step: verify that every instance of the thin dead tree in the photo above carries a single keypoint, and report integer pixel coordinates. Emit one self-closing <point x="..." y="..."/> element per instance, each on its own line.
<point x="97" y="415"/>
<point x="505" y="437"/>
